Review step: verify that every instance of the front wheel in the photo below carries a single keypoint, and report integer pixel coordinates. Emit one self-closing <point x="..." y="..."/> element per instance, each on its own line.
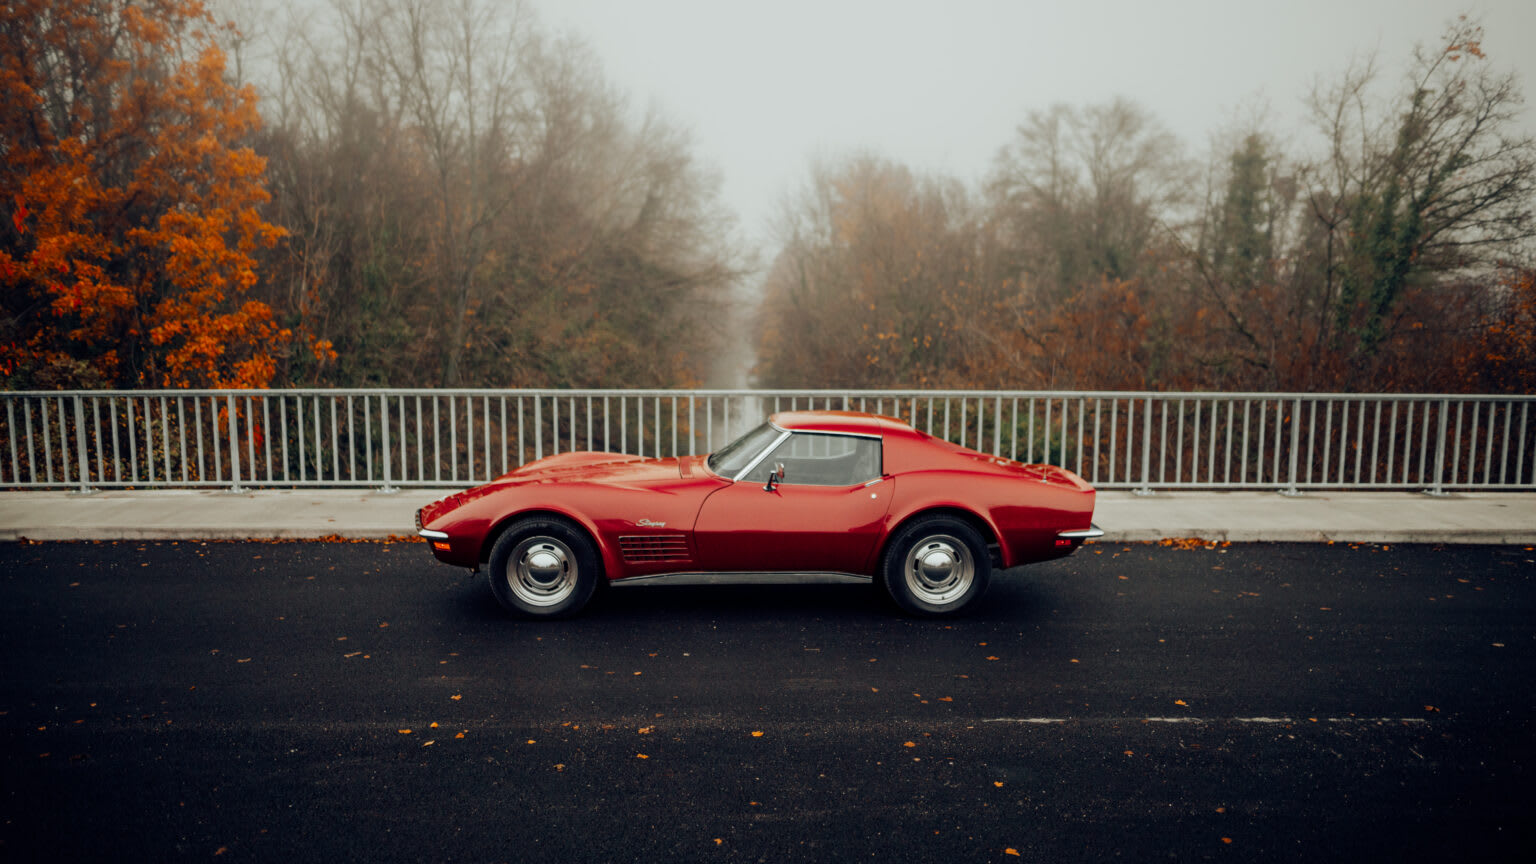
<point x="543" y="568"/>
<point x="935" y="566"/>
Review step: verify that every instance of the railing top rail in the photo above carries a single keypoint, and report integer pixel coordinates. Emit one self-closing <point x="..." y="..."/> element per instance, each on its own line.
<point x="777" y="392"/>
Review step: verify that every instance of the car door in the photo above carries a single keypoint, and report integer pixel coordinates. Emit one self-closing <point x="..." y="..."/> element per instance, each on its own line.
<point x="825" y="515"/>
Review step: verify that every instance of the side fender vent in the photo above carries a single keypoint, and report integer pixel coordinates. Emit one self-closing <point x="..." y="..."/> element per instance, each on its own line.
<point x="654" y="548"/>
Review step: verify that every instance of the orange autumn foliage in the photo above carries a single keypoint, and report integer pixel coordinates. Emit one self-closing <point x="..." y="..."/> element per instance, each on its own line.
<point x="131" y="205"/>
<point x="1506" y="359"/>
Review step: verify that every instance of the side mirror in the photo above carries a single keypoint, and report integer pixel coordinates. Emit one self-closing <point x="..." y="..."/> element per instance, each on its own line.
<point x="775" y="477"/>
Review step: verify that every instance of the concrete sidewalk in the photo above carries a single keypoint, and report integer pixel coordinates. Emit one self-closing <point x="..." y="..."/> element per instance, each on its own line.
<point x="1356" y="517"/>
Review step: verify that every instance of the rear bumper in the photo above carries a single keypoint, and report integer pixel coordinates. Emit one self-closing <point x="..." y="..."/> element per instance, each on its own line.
<point x="1092" y="532"/>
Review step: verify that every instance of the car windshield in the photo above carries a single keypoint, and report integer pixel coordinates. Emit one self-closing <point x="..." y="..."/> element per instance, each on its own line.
<point x="730" y="459"/>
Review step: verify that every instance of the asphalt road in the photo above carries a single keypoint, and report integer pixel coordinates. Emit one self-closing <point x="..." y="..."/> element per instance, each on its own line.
<point x="320" y="701"/>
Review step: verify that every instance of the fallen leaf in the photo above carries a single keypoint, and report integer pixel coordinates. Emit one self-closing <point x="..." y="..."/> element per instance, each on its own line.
<point x="641" y="756"/>
<point x="1011" y="851"/>
<point x="909" y="744"/>
<point x="757" y="734"/>
<point x="456" y="697"/>
<point x="405" y="731"/>
<point x="991" y="658"/>
<point x="428" y="743"/>
<point x="1181" y="702"/>
<point x="997" y="783"/>
<point x="1227" y="840"/>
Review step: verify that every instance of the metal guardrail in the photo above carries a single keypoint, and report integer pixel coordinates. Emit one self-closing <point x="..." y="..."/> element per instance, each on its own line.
<point x="388" y="439"/>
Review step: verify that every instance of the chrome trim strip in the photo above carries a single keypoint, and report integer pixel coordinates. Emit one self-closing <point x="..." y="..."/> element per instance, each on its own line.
<point x="433" y="535"/>
<point x="1090" y="533"/>
<point x="762" y="454"/>
<point x="747" y="577"/>
<point x="869" y="435"/>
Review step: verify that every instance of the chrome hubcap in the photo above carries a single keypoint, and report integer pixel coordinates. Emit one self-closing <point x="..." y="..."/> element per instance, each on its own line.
<point x="542" y="571"/>
<point x="939" y="570"/>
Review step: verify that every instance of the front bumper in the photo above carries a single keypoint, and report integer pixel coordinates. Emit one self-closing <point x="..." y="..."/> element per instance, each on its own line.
<point x="438" y="539"/>
<point x="427" y="532"/>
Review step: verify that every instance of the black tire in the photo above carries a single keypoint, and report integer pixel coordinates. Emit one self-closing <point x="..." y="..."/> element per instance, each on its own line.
<point x="543" y="568"/>
<point x="936" y="566"/>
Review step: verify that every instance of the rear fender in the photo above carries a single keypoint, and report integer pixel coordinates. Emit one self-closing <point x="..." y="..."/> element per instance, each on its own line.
<point x="983" y="526"/>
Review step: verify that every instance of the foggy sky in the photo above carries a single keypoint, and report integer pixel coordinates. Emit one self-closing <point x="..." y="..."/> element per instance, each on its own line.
<point x="766" y="87"/>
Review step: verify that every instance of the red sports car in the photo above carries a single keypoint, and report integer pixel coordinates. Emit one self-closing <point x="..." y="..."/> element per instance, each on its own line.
<point x="808" y="492"/>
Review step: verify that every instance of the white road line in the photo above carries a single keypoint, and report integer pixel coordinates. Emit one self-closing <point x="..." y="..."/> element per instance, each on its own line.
<point x="1274" y="721"/>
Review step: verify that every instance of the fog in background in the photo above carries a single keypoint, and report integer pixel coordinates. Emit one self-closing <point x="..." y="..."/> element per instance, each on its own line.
<point x="941" y="86"/>
<point x="853" y="193"/>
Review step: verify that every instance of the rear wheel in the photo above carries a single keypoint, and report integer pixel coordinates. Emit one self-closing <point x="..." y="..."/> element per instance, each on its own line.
<point x="543" y="568"/>
<point x="935" y="566"/>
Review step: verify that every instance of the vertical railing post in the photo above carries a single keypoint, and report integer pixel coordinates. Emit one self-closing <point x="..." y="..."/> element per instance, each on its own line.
<point x="1445" y="415"/>
<point x="1291" y="488"/>
<point x="1146" y="448"/>
<point x="234" y="445"/>
<point x="384" y="433"/>
<point x="80" y="448"/>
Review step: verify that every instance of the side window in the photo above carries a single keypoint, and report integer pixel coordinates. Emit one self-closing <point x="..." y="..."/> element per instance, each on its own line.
<point x="812" y="459"/>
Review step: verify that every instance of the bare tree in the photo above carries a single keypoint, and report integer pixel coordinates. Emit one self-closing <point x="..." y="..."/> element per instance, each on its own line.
<point x="470" y="201"/>
<point x="1080" y="192"/>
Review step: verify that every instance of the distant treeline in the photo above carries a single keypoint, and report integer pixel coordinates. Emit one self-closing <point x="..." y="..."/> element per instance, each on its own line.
<point x="1393" y="255"/>
<point x="438" y="192"/>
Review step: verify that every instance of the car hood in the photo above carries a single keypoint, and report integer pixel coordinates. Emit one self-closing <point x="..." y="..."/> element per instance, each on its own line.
<point x="609" y="469"/>
<point x="614" y="470"/>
